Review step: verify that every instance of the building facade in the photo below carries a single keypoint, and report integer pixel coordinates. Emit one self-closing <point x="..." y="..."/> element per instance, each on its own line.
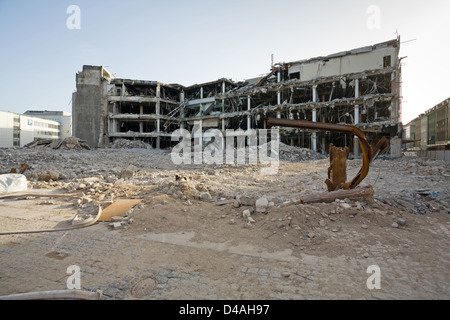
<point x="63" y="118"/>
<point x="430" y="130"/>
<point x="17" y="130"/>
<point x="361" y="87"/>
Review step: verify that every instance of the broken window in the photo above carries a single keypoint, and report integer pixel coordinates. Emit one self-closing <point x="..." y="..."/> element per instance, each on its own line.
<point x="386" y="61"/>
<point x="294" y="75"/>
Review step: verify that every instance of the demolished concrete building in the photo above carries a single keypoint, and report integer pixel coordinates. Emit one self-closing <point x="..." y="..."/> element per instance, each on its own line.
<point x="361" y="87"/>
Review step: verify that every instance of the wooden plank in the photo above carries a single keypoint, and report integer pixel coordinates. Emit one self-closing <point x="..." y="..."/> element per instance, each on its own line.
<point x="364" y="192"/>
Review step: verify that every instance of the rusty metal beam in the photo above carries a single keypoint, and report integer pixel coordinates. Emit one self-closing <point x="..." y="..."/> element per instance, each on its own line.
<point x="365" y="146"/>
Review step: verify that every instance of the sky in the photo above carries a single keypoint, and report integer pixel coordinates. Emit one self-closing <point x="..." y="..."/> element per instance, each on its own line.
<point x="43" y="44"/>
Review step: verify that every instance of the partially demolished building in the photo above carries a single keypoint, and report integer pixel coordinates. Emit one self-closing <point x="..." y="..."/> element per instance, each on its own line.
<point x="361" y="87"/>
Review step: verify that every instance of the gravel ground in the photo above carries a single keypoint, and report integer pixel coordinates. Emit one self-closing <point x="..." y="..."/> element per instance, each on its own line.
<point x="192" y="237"/>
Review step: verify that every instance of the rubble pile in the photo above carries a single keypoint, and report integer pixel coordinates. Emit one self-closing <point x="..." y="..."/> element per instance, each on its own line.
<point x="67" y="143"/>
<point x="187" y="187"/>
<point x="128" y="144"/>
<point x="295" y="154"/>
<point x="420" y="201"/>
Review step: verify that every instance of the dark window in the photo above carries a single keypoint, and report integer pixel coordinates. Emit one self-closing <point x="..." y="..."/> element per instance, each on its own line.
<point x="294" y="75"/>
<point x="386" y="61"/>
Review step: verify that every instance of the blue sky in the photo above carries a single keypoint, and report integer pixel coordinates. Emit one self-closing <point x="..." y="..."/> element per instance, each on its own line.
<point x="195" y="41"/>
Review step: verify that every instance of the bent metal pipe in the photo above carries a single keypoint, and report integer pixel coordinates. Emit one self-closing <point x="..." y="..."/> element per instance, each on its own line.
<point x="365" y="146"/>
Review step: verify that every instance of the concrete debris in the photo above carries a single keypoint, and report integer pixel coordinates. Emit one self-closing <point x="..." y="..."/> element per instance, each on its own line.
<point x="128" y="144"/>
<point x="128" y="172"/>
<point x="294" y="154"/>
<point x="67" y="143"/>
<point x="261" y="205"/>
<point x="245" y="201"/>
<point x="416" y="202"/>
<point x="116" y="225"/>
<point x="205" y="196"/>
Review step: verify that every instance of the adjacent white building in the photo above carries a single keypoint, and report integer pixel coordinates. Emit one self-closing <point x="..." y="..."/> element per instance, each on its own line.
<point x="63" y="118"/>
<point x="17" y="130"/>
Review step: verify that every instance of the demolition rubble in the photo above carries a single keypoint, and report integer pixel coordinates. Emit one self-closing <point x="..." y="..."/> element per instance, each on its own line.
<point x="136" y="170"/>
<point x="229" y="221"/>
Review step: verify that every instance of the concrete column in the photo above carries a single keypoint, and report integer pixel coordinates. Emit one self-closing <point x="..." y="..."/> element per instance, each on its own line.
<point x="223" y="109"/>
<point x="201" y="104"/>
<point x="158" y="113"/>
<point x="141" y="124"/>
<point x="356" y="120"/>
<point x="249" y="124"/>
<point x="394" y="106"/>
<point x="314" y="97"/>
<point x="114" y="121"/>
<point x="314" y="119"/>
<point x="278" y="93"/>
<point x="314" y="134"/>
<point x="182" y="110"/>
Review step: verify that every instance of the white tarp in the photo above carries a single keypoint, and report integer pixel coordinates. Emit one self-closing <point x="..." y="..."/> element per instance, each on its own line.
<point x="12" y="182"/>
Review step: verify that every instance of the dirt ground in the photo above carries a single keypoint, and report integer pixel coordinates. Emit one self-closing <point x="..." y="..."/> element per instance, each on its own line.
<point x="191" y="238"/>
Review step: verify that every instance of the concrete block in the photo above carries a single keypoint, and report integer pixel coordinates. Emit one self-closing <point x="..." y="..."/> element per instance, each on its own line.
<point x="447" y="155"/>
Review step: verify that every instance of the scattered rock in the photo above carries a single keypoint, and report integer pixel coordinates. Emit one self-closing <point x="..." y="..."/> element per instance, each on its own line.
<point x="261" y="205"/>
<point x="344" y="205"/>
<point x="364" y="226"/>
<point x="395" y="225"/>
<point x="246" y="201"/>
<point x="401" y="221"/>
<point x="205" y="196"/>
<point x="116" y="225"/>
<point x="280" y="224"/>
<point x="246" y="214"/>
<point x="81" y="186"/>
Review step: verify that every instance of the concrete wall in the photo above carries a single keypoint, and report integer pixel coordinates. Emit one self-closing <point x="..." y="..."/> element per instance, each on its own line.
<point x="86" y="106"/>
<point x="354" y="63"/>
<point x="443" y="155"/>
<point x="66" y="126"/>
<point x="6" y="129"/>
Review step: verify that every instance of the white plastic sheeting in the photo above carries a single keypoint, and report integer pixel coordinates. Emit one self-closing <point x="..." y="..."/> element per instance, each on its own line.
<point x="12" y="182"/>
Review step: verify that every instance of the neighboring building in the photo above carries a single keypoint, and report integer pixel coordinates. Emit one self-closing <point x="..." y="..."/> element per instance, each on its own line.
<point x="430" y="130"/>
<point x="18" y="130"/>
<point x="361" y="87"/>
<point x="63" y="118"/>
